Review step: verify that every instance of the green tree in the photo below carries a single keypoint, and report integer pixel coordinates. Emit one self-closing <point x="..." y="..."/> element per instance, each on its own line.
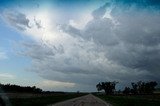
<point x="108" y="87"/>
<point x="143" y="87"/>
<point x="127" y="90"/>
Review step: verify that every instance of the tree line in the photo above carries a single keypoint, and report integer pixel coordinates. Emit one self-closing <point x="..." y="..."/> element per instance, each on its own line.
<point x="139" y="87"/>
<point x="20" y="89"/>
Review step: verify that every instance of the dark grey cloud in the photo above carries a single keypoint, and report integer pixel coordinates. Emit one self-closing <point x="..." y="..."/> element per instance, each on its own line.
<point x="133" y="41"/>
<point x="141" y="4"/>
<point x="140" y="27"/>
<point x="52" y="64"/>
<point x="125" y="47"/>
<point x="98" y="13"/>
<point x="16" y="19"/>
<point x="101" y="31"/>
<point x="138" y="32"/>
<point x="71" y="30"/>
<point x="37" y="23"/>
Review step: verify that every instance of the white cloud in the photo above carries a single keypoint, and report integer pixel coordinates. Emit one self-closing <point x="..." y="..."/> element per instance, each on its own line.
<point x="81" y="21"/>
<point x="52" y="85"/>
<point x="3" y="55"/>
<point x="6" y="76"/>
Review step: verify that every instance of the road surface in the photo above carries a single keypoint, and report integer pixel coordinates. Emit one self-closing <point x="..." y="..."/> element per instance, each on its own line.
<point x="88" y="100"/>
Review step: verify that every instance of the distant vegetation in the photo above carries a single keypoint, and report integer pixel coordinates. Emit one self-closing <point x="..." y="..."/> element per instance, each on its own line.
<point x="20" y="89"/>
<point x="32" y="96"/>
<point x="141" y="88"/>
<point x="139" y="94"/>
<point x="137" y="88"/>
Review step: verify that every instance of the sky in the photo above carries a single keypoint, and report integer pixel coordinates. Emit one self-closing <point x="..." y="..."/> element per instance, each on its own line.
<point x="72" y="45"/>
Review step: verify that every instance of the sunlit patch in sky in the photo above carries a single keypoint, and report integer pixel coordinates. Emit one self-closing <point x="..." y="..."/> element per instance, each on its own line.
<point x="76" y="44"/>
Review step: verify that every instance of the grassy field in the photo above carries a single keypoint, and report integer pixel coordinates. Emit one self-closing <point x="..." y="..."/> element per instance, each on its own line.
<point x="41" y="100"/>
<point x="132" y="100"/>
<point x="115" y="100"/>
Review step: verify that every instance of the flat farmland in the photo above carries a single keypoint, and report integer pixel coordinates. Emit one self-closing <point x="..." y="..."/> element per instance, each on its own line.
<point x="132" y="100"/>
<point x="28" y="99"/>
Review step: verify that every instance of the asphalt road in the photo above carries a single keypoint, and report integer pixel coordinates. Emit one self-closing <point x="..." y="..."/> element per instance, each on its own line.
<point x="88" y="100"/>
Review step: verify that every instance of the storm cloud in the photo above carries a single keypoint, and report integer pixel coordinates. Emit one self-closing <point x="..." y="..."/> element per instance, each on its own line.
<point x="124" y="46"/>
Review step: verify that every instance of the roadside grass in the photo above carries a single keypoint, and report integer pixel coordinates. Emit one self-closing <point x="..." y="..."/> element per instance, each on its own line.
<point x="42" y="101"/>
<point x="132" y="100"/>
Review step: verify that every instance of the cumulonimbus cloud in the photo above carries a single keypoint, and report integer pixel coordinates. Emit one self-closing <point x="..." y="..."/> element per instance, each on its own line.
<point x="122" y="47"/>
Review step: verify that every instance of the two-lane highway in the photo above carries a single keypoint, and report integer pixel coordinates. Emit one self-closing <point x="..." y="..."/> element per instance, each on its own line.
<point x="88" y="100"/>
